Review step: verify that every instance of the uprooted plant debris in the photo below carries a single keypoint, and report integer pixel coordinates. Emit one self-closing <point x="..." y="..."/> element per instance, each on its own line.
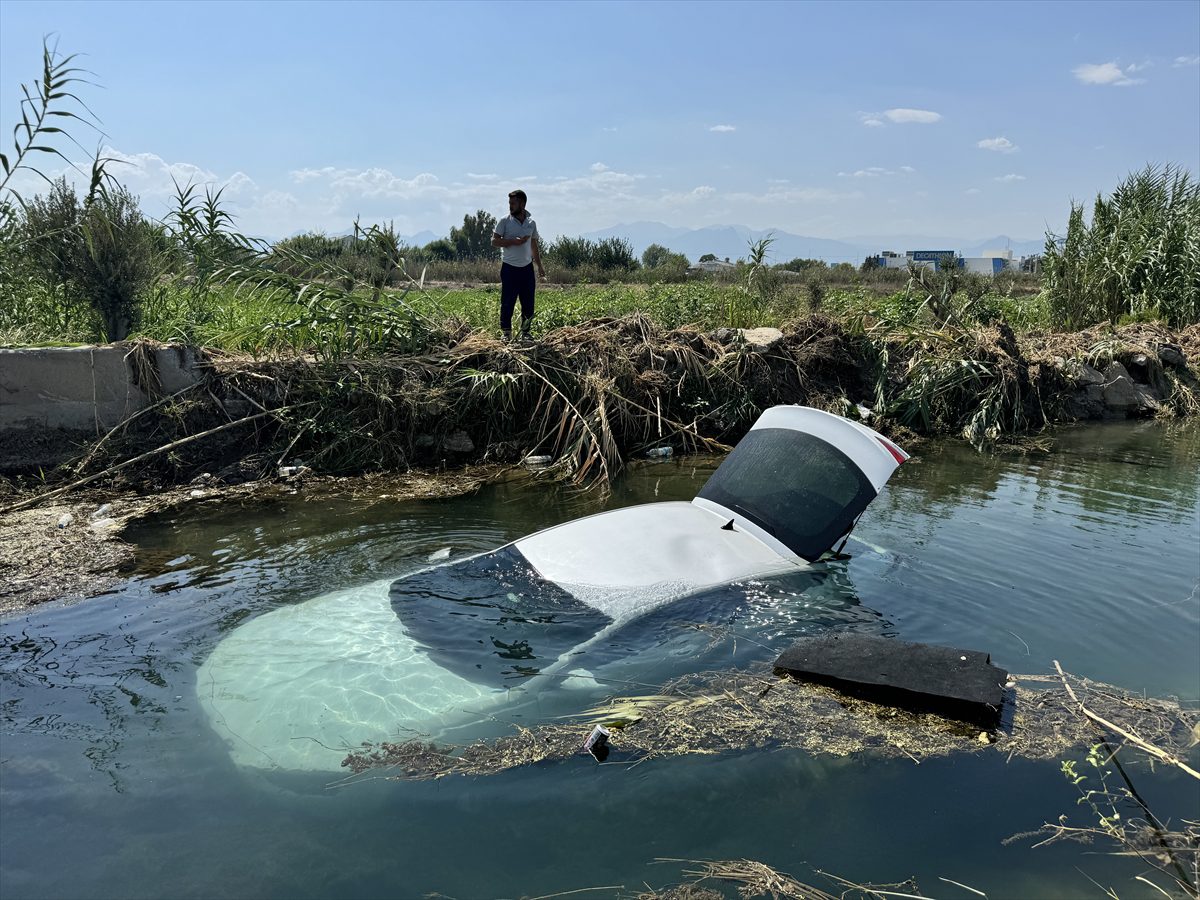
<point x="594" y="394"/>
<point x="714" y="713"/>
<point x="756" y="879"/>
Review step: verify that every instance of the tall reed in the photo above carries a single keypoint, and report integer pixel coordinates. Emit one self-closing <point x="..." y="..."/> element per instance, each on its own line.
<point x="1139" y="257"/>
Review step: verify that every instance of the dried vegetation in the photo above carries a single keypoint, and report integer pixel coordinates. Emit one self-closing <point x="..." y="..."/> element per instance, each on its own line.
<point x="594" y="394"/>
<point x="715" y="713"/>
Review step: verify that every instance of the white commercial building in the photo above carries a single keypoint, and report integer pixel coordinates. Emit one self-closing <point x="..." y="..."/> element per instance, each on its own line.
<point x="991" y="262"/>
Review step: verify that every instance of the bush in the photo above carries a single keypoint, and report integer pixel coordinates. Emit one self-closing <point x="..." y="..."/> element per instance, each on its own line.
<point x="52" y="251"/>
<point x="117" y="265"/>
<point x="614" y="254"/>
<point x="662" y="265"/>
<point x="570" y="252"/>
<point x="802" y="265"/>
<point x="611" y="255"/>
<point x="101" y="255"/>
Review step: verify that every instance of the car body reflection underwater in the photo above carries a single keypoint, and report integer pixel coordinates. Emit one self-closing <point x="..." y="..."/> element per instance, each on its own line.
<point x="594" y="601"/>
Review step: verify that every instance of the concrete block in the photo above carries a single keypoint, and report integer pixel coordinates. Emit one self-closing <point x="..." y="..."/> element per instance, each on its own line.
<point x="54" y="399"/>
<point x="66" y="387"/>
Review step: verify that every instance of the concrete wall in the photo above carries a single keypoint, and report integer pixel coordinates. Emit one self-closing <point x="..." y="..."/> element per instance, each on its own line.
<point x="82" y="388"/>
<point x="985" y="265"/>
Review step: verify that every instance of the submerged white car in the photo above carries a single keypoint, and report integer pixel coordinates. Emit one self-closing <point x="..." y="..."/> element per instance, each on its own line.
<point x="788" y="493"/>
<point x="450" y="648"/>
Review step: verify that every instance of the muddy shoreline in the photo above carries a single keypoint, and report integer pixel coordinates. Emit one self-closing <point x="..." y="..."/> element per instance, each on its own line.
<point x="74" y="548"/>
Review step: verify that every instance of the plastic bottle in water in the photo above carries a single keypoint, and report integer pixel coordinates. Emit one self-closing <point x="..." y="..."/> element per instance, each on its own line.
<point x="659" y="452"/>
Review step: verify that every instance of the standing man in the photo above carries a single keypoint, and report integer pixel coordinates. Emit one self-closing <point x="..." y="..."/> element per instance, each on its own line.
<point x="517" y="237"/>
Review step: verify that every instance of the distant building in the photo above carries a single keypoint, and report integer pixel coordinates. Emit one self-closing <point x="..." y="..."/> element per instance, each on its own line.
<point x="992" y="262"/>
<point x="713" y="265"/>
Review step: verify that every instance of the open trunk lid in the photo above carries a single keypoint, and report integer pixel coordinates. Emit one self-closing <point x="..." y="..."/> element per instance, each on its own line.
<point x="800" y="478"/>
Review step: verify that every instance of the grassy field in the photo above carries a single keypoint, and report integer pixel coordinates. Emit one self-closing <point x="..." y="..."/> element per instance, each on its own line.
<point x="243" y="318"/>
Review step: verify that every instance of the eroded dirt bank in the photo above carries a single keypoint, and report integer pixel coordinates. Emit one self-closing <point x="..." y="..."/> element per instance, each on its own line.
<point x="74" y="547"/>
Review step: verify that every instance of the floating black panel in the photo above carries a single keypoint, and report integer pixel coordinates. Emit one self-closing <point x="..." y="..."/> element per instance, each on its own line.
<point x="958" y="684"/>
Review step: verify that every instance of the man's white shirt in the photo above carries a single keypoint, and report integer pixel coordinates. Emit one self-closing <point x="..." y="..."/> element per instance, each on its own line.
<point x="511" y="227"/>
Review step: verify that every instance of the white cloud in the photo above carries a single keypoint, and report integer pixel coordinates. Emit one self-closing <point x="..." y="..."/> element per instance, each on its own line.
<point x="871" y="120"/>
<point x="599" y="167"/>
<point x="378" y="182"/>
<point x="723" y="129"/>
<point x="1108" y="73"/>
<point x="328" y="198"/>
<point x="1181" y="61"/>
<point x="302" y="175"/>
<point x="609" y="128"/>
<point x="278" y="202"/>
<point x="147" y="174"/>
<point x="903" y="116"/>
<point x="876" y="172"/>
<point x="795" y="195"/>
<point x="695" y="195"/>
<point x="972" y="191"/>
<point x="871" y="172"/>
<point x="238" y="183"/>
<point x="1009" y="178"/>
<point x="998" y="144"/>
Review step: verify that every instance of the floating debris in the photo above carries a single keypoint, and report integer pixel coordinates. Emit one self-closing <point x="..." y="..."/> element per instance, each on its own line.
<point x="713" y="713"/>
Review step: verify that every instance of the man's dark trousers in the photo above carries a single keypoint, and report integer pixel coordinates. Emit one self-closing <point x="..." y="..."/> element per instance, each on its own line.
<point x="516" y="282"/>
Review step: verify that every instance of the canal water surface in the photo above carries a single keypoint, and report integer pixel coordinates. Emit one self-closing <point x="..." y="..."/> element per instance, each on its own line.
<point x="125" y="772"/>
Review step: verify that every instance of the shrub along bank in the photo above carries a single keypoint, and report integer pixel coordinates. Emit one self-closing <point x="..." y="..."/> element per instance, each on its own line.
<point x="592" y="395"/>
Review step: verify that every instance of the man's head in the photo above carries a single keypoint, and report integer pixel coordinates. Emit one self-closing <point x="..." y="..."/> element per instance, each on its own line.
<point x="516" y="202"/>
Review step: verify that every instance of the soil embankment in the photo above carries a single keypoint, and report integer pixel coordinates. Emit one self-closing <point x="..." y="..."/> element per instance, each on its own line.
<point x="196" y="425"/>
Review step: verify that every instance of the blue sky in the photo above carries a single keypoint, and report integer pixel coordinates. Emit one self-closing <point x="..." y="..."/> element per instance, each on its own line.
<point x="828" y="120"/>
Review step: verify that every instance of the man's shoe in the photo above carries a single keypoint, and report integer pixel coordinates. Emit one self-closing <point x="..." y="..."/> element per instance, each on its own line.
<point x="506" y="335"/>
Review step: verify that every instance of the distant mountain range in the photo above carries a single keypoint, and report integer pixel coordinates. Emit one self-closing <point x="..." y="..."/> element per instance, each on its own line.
<point x="733" y="241"/>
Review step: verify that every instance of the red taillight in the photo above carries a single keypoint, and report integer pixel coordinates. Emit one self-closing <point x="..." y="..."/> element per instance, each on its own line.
<point x="896" y="452"/>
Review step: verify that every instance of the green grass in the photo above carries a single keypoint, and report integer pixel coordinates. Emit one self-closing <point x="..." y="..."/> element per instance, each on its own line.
<point x="248" y="319"/>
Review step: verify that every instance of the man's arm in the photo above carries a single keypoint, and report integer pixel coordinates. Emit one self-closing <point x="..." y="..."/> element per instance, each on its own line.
<point x="537" y="256"/>
<point x="498" y="241"/>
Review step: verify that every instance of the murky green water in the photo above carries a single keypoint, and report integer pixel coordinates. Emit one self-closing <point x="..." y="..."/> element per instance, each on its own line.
<point x="113" y="782"/>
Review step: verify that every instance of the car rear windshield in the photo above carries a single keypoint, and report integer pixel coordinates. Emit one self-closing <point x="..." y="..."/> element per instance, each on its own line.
<point x="802" y="490"/>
